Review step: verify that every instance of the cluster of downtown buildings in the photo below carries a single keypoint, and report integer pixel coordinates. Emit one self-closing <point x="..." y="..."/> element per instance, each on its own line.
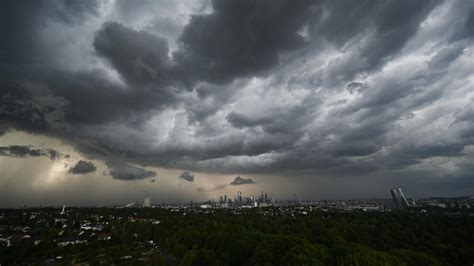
<point x="242" y="201"/>
<point x="398" y="201"/>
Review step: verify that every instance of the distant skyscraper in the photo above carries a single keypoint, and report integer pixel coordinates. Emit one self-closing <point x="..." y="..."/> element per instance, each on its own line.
<point x="239" y="197"/>
<point x="147" y="202"/>
<point x="404" y="199"/>
<point x="399" y="198"/>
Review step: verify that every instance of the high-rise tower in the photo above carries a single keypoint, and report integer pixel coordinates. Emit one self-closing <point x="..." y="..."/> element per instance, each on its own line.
<point x="399" y="198"/>
<point x="147" y="202"/>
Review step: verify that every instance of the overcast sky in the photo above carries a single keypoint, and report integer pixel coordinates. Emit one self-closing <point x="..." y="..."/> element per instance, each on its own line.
<point x="105" y="102"/>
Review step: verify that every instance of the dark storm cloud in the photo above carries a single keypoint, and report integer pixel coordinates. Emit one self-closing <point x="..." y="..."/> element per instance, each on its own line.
<point x="29" y="108"/>
<point x="395" y="23"/>
<point x="463" y="27"/>
<point x="345" y="19"/>
<point x="137" y="56"/>
<point x="56" y="100"/>
<point x="37" y="94"/>
<point x="124" y="171"/>
<point x="83" y="167"/>
<point x="23" y="21"/>
<point x="19" y="151"/>
<point x="236" y="40"/>
<point x="279" y="120"/>
<point x="242" y="38"/>
<point x="469" y="24"/>
<point x="241" y="181"/>
<point x="446" y="56"/>
<point x="110" y="103"/>
<point x="241" y="121"/>
<point x="331" y="88"/>
<point x="27" y="151"/>
<point x="354" y="148"/>
<point x="392" y="24"/>
<point x="187" y="176"/>
<point x="355" y="86"/>
<point x="466" y="114"/>
<point x="3" y="129"/>
<point x="53" y="154"/>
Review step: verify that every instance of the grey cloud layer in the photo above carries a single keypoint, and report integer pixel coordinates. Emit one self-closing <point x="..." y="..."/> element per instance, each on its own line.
<point x="291" y="87"/>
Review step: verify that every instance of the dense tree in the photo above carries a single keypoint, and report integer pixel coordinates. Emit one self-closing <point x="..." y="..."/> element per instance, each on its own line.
<point x="266" y="236"/>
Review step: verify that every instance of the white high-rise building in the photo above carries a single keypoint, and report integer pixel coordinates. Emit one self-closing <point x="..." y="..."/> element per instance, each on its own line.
<point x="399" y="198"/>
<point x="147" y="202"/>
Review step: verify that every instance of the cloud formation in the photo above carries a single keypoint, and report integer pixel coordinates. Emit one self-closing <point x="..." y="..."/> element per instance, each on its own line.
<point x="241" y="181"/>
<point x="304" y="88"/>
<point x="83" y="167"/>
<point x="26" y="151"/>
<point x="19" y="151"/>
<point x="241" y="38"/>
<point x="137" y="55"/>
<point x="187" y="176"/>
<point x="124" y="171"/>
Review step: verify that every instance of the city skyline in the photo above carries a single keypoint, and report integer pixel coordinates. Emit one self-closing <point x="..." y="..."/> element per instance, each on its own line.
<point x="109" y="102"/>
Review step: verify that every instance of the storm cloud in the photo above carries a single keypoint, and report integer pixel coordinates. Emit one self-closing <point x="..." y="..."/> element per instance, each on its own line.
<point x="137" y="55"/>
<point x="187" y="176"/>
<point x="241" y="181"/>
<point x="124" y="171"/>
<point x="19" y="151"/>
<point x="330" y="89"/>
<point x="242" y="38"/>
<point x="83" y="167"/>
<point x="26" y="151"/>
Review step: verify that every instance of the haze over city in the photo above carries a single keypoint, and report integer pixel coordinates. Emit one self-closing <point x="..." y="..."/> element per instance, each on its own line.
<point x="108" y="102"/>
